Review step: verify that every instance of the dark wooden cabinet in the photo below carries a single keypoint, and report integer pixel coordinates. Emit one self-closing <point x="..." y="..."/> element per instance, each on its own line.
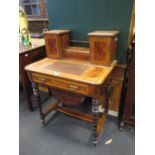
<point x="128" y="115"/>
<point x="103" y="45"/>
<point x="28" y="55"/>
<point x="56" y="41"/>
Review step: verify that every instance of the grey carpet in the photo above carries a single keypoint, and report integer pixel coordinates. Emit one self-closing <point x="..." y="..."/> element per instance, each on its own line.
<point x="63" y="135"/>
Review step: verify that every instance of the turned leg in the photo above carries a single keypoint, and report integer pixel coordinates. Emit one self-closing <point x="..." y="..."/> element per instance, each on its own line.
<point x="37" y="101"/>
<point x="95" y="106"/>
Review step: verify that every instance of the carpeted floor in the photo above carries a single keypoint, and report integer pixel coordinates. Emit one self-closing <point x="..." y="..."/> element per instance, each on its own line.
<point x="67" y="136"/>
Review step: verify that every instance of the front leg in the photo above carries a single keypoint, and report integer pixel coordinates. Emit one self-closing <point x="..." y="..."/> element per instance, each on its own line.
<point x="37" y="101"/>
<point x="95" y="112"/>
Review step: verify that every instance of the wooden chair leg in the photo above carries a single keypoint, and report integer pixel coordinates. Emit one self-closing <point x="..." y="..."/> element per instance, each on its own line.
<point x="38" y="101"/>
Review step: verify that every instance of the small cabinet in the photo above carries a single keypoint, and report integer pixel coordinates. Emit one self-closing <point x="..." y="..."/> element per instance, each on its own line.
<point x="56" y="41"/>
<point x="103" y="45"/>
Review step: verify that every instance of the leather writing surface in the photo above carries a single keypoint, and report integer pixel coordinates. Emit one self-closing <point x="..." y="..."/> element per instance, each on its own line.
<point x="67" y="68"/>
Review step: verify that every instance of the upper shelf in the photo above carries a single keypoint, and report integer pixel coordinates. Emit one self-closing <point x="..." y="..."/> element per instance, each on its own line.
<point x="77" y="49"/>
<point x="80" y="53"/>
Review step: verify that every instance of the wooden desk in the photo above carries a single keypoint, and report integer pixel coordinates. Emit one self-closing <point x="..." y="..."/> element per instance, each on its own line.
<point x="73" y="73"/>
<point x="27" y="55"/>
<point x="76" y="79"/>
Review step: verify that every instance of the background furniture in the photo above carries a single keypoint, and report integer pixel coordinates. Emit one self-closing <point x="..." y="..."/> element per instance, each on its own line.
<point x="36" y="26"/>
<point x="127" y="111"/>
<point x="27" y="55"/>
<point x="128" y="115"/>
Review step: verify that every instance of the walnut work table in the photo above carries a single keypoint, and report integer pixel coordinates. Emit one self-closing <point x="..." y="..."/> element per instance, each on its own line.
<point x="71" y="81"/>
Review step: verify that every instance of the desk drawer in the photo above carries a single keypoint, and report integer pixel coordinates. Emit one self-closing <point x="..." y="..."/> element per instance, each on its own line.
<point x="63" y="84"/>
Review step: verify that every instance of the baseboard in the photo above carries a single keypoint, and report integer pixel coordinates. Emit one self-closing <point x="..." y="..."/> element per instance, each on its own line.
<point x="110" y="112"/>
<point x="113" y="113"/>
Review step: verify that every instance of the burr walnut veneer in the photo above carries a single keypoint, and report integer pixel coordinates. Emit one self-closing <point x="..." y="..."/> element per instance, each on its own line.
<point x="103" y="46"/>
<point x="72" y="76"/>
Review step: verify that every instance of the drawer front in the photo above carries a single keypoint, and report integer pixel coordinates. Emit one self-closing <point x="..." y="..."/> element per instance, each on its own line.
<point x="59" y="83"/>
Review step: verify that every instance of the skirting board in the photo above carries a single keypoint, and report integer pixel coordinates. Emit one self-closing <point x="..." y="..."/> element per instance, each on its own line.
<point x="110" y="112"/>
<point x="113" y="113"/>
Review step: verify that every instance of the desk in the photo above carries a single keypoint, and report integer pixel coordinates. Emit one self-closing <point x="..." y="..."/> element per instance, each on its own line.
<point x="73" y="73"/>
<point x="27" y="55"/>
<point x="69" y="76"/>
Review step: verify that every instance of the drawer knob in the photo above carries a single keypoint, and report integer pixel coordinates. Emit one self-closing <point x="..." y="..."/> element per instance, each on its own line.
<point x="73" y="86"/>
<point x="26" y="55"/>
<point x="42" y="79"/>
